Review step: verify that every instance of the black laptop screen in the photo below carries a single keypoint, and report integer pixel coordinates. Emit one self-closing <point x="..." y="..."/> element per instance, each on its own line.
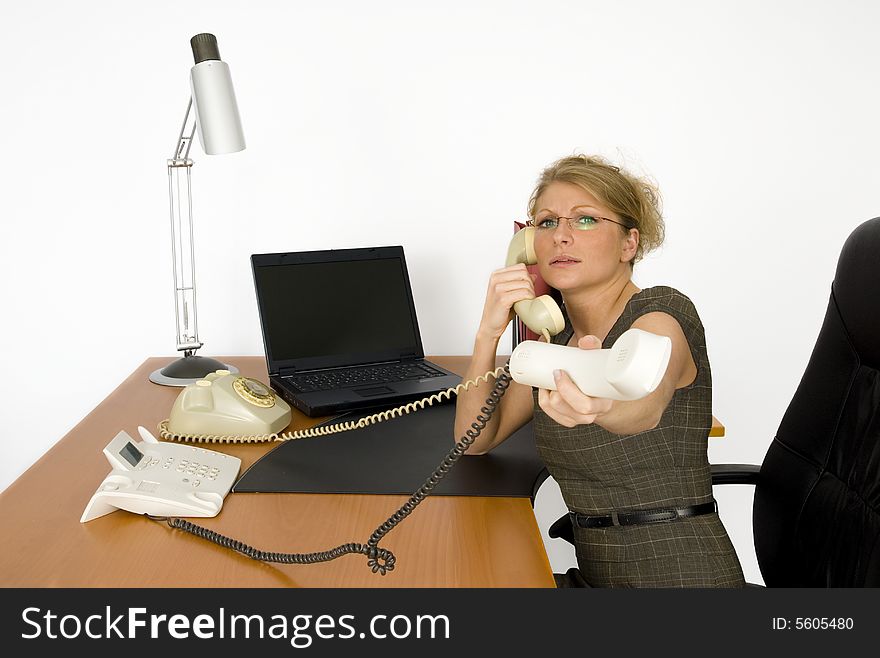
<point x="335" y="312"/>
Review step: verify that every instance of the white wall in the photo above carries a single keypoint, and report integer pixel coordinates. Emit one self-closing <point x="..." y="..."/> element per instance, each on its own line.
<point x="423" y="125"/>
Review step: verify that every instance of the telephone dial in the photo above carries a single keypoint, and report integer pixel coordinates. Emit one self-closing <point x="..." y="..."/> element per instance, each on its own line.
<point x="224" y="404"/>
<point x="228" y="408"/>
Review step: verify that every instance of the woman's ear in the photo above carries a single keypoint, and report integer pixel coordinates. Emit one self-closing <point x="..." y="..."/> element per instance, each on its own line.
<point x="629" y="245"/>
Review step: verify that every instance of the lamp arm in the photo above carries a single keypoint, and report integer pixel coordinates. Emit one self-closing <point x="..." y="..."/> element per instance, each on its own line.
<point x="187" y="131"/>
<point x="182" y="252"/>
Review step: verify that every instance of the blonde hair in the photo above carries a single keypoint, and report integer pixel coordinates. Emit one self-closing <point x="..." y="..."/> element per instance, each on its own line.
<point x="635" y="200"/>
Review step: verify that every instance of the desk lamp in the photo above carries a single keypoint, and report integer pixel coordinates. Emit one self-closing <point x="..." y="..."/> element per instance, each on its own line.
<point x="219" y="125"/>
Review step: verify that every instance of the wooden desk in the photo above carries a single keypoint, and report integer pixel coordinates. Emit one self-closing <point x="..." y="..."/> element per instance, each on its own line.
<point x="447" y="542"/>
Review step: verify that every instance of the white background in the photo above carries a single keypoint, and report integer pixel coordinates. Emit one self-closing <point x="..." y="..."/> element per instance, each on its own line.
<point x="426" y="125"/>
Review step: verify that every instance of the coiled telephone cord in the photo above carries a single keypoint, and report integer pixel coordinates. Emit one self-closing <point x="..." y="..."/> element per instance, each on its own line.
<point x="380" y="560"/>
<point x="325" y="430"/>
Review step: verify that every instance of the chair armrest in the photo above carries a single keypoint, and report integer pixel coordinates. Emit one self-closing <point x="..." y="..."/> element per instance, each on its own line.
<point x="539" y="480"/>
<point x="561" y="529"/>
<point x="735" y="474"/>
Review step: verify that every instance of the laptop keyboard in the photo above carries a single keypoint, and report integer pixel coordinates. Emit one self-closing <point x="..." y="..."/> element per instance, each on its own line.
<point x="360" y="375"/>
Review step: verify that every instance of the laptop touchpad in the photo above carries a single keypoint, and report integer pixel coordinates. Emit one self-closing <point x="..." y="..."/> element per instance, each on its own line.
<point x="373" y="390"/>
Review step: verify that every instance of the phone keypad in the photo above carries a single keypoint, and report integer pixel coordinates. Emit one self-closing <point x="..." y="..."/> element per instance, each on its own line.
<point x="193" y="472"/>
<point x="197" y="470"/>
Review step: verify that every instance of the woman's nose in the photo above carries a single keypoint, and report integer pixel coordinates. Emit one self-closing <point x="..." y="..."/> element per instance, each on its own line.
<point x="562" y="234"/>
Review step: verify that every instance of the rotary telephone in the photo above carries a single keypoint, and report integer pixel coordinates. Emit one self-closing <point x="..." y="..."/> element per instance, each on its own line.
<point x="228" y="408"/>
<point x="225" y="404"/>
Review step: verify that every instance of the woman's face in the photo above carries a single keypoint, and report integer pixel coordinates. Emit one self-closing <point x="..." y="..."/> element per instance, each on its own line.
<point x="572" y="259"/>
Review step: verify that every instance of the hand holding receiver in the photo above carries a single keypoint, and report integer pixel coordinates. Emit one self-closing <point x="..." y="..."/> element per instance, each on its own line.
<point x="228" y="404"/>
<point x="540" y="314"/>
<point x="630" y="370"/>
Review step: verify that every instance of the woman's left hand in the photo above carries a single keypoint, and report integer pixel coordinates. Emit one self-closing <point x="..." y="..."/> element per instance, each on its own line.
<point x="567" y="405"/>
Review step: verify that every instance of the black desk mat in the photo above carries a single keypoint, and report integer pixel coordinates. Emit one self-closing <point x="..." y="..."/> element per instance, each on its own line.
<point x="396" y="457"/>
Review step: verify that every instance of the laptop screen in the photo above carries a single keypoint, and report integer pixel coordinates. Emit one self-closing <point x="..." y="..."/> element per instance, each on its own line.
<point x="334" y="308"/>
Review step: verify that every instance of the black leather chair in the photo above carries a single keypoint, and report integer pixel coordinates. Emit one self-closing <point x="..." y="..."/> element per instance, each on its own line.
<point x="816" y="512"/>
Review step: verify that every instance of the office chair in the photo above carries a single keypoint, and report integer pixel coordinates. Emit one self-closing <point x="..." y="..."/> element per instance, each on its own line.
<point x="816" y="512"/>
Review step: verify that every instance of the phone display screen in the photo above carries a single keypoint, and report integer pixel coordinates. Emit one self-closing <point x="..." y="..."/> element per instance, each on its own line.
<point x="131" y="454"/>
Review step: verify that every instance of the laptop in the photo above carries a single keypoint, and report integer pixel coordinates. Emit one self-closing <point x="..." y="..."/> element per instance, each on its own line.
<point x="340" y="330"/>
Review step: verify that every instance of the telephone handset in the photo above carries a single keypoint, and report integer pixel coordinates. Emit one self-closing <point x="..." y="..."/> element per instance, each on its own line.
<point x="541" y="314"/>
<point x="630" y="369"/>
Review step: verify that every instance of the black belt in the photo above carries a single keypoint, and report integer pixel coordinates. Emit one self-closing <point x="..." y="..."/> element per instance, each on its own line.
<point x="640" y="517"/>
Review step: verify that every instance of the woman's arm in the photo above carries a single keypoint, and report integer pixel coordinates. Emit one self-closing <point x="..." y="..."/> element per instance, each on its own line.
<point x="513" y="411"/>
<point x="569" y="407"/>
<point x="506" y="287"/>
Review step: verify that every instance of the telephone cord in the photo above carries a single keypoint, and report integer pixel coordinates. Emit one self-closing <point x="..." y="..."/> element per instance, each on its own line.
<point x="325" y="430"/>
<point x="380" y="560"/>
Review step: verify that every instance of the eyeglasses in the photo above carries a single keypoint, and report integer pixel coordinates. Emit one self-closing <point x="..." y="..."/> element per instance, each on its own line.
<point x="579" y="223"/>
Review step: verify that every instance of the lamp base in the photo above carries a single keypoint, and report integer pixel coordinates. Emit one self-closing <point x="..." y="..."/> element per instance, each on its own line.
<point x="187" y="370"/>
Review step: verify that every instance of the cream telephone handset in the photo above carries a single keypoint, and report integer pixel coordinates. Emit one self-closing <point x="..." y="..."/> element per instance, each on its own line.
<point x="541" y="314"/>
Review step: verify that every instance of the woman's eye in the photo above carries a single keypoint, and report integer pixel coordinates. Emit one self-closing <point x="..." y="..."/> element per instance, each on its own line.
<point x="587" y="221"/>
<point x="548" y="222"/>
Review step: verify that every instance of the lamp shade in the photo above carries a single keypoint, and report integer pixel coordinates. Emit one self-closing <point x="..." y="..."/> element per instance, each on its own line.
<point x="217" y="118"/>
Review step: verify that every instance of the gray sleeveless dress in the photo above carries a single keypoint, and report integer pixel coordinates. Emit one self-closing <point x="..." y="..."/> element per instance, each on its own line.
<point x="599" y="472"/>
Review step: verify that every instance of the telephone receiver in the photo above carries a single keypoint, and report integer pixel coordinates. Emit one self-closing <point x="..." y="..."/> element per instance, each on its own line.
<point x="630" y="369"/>
<point x="541" y="314"/>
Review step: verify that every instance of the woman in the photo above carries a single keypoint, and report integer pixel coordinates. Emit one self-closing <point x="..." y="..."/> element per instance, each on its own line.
<point x="624" y="468"/>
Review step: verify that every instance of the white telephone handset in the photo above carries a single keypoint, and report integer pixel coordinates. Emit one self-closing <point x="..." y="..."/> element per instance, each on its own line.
<point x="162" y="479"/>
<point x="631" y="369"/>
<point x="540" y="314"/>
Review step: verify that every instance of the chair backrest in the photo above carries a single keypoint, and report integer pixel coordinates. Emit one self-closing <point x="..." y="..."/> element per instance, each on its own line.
<point x="815" y="516"/>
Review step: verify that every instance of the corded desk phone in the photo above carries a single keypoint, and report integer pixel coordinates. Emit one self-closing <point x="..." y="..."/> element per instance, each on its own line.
<point x="224" y="404"/>
<point x="227" y="408"/>
<point x="162" y="479"/>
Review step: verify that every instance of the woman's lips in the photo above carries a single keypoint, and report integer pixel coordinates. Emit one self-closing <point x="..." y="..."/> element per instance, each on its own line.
<point x="564" y="261"/>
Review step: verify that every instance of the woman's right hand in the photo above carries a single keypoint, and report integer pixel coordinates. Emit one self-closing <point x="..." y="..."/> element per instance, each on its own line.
<point x="506" y="287"/>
